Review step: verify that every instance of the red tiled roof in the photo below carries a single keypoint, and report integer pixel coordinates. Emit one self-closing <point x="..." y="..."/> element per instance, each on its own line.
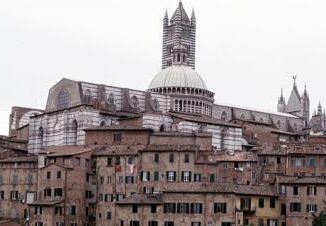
<point x="264" y="190"/>
<point x="32" y="158"/>
<point x="141" y="199"/>
<point x="67" y="150"/>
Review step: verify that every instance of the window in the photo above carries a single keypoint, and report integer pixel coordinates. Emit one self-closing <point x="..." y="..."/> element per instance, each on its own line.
<point x="58" y="192"/>
<point x="186" y="176"/>
<point x="278" y="160"/>
<point x="62" y="99"/>
<point x="272" y="203"/>
<point x="148" y="190"/>
<point x="108" y="215"/>
<point x="72" y="210"/>
<point x="135" y="208"/>
<point x="196" y="208"/>
<point x="183" y="208"/>
<point x="38" y="210"/>
<point x="283" y="209"/>
<point x="168" y="223"/>
<point x="195" y="224"/>
<point x="261" y="203"/>
<point x="152" y="223"/>
<point x="187" y="158"/>
<point x="171" y="176"/>
<point x="311" y="190"/>
<point x="2" y="195"/>
<point x="109" y="180"/>
<point x="260" y="222"/>
<point x="29" y="179"/>
<point x="109" y="161"/>
<point x="169" y="208"/>
<point x="297" y="161"/>
<point x="117" y="160"/>
<point x="120" y="180"/>
<point x="245" y="204"/>
<point x="129" y="179"/>
<point x="283" y="189"/>
<point x="117" y="138"/>
<point x="134" y="223"/>
<point x="156" y="176"/>
<point x="58" y="210"/>
<point x="48" y="175"/>
<point x="38" y="224"/>
<point x="311" y="208"/>
<point x="219" y="207"/>
<point x="102" y="180"/>
<point x="295" y="207"/>
<point x="312" y="162"/>
<point x="47" y="192"/>
<point x="171" y="157"/>
<point x="156" y="158"/>
<point x="58" y="174"/>
<point x="88" y="194"/>
<point x="130" y="160"/>
<point x="153" y="208"/>
<point x="197" y="177"/>
<point x="14" y="179"/>
<point x="144" y="176"/>
<point x="14" y="195"/>
<point x="325" y="162"/>
<point x="211" y="177"/>
<point x="223" y="116"/>
<point x="295" y="190"/>
<point x="74" y="132"/>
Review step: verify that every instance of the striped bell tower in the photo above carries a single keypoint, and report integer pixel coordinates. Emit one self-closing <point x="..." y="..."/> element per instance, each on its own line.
<point x="179" y="30"/>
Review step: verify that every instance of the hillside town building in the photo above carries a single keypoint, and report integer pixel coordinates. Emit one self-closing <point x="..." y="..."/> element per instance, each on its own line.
<point x="167" y="156"/>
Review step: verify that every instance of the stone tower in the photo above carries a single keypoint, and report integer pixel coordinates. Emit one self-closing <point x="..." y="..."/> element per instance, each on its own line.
<point x="180" y="29"/>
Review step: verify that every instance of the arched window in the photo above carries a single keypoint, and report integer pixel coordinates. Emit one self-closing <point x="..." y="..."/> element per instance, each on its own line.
<point x="184" y="58"/>
<point x="179" y="57"/>
<point x="162" y="128"/>
<point x="156" y="104"/>
<point x="134" y="101"/>
<point x="278" y="124"/>
<point x="102" y="124"/>
<point x="224" y="116"/>
<point x="111" y="98"/>
<point x="41" y="136"/>
<point x="62" y="99"/>
<point x="74" y="131"/>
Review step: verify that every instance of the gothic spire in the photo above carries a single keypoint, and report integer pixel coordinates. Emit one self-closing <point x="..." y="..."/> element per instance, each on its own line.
<point x="180" y="11"/>
<point x="319" y="110"/>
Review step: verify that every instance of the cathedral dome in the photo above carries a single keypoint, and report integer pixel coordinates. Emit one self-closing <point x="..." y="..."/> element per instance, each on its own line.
<point x="178" y="76"/>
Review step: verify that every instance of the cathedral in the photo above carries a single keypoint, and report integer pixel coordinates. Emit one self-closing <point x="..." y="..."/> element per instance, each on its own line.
<point x="169" y="155"/>
<point x="176" y="91"/>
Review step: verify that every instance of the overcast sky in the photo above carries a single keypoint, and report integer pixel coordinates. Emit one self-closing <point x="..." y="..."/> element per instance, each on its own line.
<point x="247" y="50"/>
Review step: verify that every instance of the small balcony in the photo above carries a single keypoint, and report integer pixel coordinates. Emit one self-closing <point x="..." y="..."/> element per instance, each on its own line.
<point x="248" y="210"/>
